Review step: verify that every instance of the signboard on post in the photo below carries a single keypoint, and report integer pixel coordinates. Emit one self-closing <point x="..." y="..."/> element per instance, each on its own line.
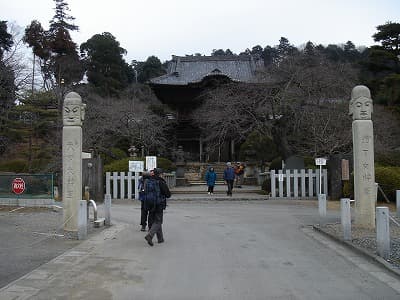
<point x="18" y="186"/>
<point x="136" y="166"/>
<point x="151" y="162"/>
<point x="345" y="169"/>
<point x="320" y="161"/>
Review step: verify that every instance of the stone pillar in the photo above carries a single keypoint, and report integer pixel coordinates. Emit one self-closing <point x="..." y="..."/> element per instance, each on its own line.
<point x="345" y="218"/>
<point x="363" y="151"/>
<point x="73" y="115"/>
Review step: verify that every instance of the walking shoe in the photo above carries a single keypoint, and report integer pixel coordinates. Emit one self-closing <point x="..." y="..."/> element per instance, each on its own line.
<point x="209" y="193"/>
<point x="161" y="241"/>
<point x="149" y="240"/>
<point x="143" y="228"/>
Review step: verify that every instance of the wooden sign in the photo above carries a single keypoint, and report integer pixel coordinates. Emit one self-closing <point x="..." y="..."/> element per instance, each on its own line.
<point x="345" y="169"/>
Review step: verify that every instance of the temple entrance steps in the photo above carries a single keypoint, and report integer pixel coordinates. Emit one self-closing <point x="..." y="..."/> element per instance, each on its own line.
<point x="196" y="172"/>
<point x="201" y="189"/>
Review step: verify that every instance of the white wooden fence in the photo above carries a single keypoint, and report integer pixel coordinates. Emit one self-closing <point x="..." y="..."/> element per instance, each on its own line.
<point x="298" y="184"/>
<point x="121" y="185"/>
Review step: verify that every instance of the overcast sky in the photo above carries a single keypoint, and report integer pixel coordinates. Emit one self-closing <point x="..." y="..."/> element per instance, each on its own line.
<point x="166" y="27"/>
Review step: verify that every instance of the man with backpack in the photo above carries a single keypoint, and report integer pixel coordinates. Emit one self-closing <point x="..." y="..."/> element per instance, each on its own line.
<point x="156" y="192"/>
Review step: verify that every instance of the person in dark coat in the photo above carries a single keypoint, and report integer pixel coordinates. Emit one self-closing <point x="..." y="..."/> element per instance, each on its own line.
<point x="211" y="177"/>
<point x="229" y="177"/>
<point x="156" y="212"/>
<point x="144" y="212"/>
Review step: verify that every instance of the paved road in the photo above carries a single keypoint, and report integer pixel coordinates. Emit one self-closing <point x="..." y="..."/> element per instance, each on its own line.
<point x="213" y="250"/>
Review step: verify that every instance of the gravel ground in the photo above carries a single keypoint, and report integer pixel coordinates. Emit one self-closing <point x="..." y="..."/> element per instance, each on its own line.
<point x="29" y="238"/>
<point x="366" y="239"/>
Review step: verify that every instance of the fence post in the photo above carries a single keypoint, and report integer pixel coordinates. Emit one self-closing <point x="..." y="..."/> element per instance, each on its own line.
<point x="382" y="232"/>
<point x="310" y="183"/>
<point x="303" y="183"/>
<point x="115" y="185"/>
<point x="107" y="209"/>
<point x="398" y="203"/>
<point x="82" y="220"/>
<point x="129" y="185"/>
<point x="295" y="183"/>
<point x="108" y="183"/>
<point x="280" y="183"/>
<point x="325" y="181"/>
<point x="288" y="191"/>
<point x="273" y="190"/>
<point x="122" y="184"/>
<point x="345" y="217"/>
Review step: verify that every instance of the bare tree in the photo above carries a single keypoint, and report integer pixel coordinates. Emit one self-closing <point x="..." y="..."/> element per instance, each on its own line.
<point x="298" y="103"/>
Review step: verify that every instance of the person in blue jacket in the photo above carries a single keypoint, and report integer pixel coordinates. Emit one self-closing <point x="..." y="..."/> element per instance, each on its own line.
<point x="229" y="177"/>
<point x="211" y="177"/>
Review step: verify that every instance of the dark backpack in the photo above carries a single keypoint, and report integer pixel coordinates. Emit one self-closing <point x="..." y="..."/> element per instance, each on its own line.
<point x="152" y="194"/>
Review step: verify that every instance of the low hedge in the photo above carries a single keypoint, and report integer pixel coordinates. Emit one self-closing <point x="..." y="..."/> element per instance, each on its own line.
<point x="122" y="165"/>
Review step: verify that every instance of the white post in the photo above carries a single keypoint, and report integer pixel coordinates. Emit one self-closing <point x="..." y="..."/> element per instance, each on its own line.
<point x="398" y="203"/>
<point x="115" y="185"/>
<point x="322" y="205"/>
<point x="122" y="185"/>
<point x="107" y="209"/>
<point x="320" y="179"/>
<point x="129" y="186"/>
<point x="136" y="185"/>
<point x="82" y="220"/>
<point x="273" y="181"/>
<point x="382" y="232"/>
<point x="345" y="218"/>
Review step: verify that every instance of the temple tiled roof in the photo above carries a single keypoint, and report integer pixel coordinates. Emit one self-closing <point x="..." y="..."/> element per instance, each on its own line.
<point x="193" y="69"/>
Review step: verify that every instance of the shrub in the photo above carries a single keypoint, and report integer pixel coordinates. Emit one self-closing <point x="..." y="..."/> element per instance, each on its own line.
<point x="16" y="166"/>
<point x="276" y="164"/>
<point x="122" y="165"/>
<point x="388" y="159"/>
<point x="266" y="185"/>
<point x="389" y="180"/>
<point x="117" y="153"/>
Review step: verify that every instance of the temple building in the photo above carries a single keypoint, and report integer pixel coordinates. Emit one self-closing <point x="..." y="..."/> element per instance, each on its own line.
<point x="186" y="78"/>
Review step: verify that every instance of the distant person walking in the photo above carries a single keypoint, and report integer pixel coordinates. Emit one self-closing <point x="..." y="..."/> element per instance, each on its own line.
<point x="229" y="177"/>
<point x="156" y="193"/>
<point x="211" y="177"/>
<point x="239" y="173"/>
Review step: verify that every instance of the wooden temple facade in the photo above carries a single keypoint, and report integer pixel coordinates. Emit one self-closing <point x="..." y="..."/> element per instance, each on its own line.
<point x="186" y="78"/>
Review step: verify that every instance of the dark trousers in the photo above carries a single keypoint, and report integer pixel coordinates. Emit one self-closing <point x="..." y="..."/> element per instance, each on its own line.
<point x="144" y="215"/>
<point x="230" y="186"/>
<point x="210" y="189"/>
<point x="156" y="219"/>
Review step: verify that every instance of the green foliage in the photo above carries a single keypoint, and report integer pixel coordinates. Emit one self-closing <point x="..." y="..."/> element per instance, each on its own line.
<point x="116" y="154"/>
<point x="55" y="47"/>
<point x="165" y="164"/>
<point x="266" y="185"/>
<point x="309" y="162"/>
<point x="6" y="40"/>
<point x="16" y="166"/>
<point x="258" y="147"/>
<point x="389" y="36"/>
<point x="276" y="164"/>
<point x="388" y="179"/>
<point x="151" y="68"/>
<point x="122" y="165"/>
<point x="389" y="90"/>
<point x="388" y="159"/>
<point x="106" y="68"/>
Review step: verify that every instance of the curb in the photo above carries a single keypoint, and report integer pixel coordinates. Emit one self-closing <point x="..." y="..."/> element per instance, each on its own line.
<point x="372" y="257"/>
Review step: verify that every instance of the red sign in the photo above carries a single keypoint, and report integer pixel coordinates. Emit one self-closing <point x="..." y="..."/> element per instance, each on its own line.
<point x="18" y="186"/>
